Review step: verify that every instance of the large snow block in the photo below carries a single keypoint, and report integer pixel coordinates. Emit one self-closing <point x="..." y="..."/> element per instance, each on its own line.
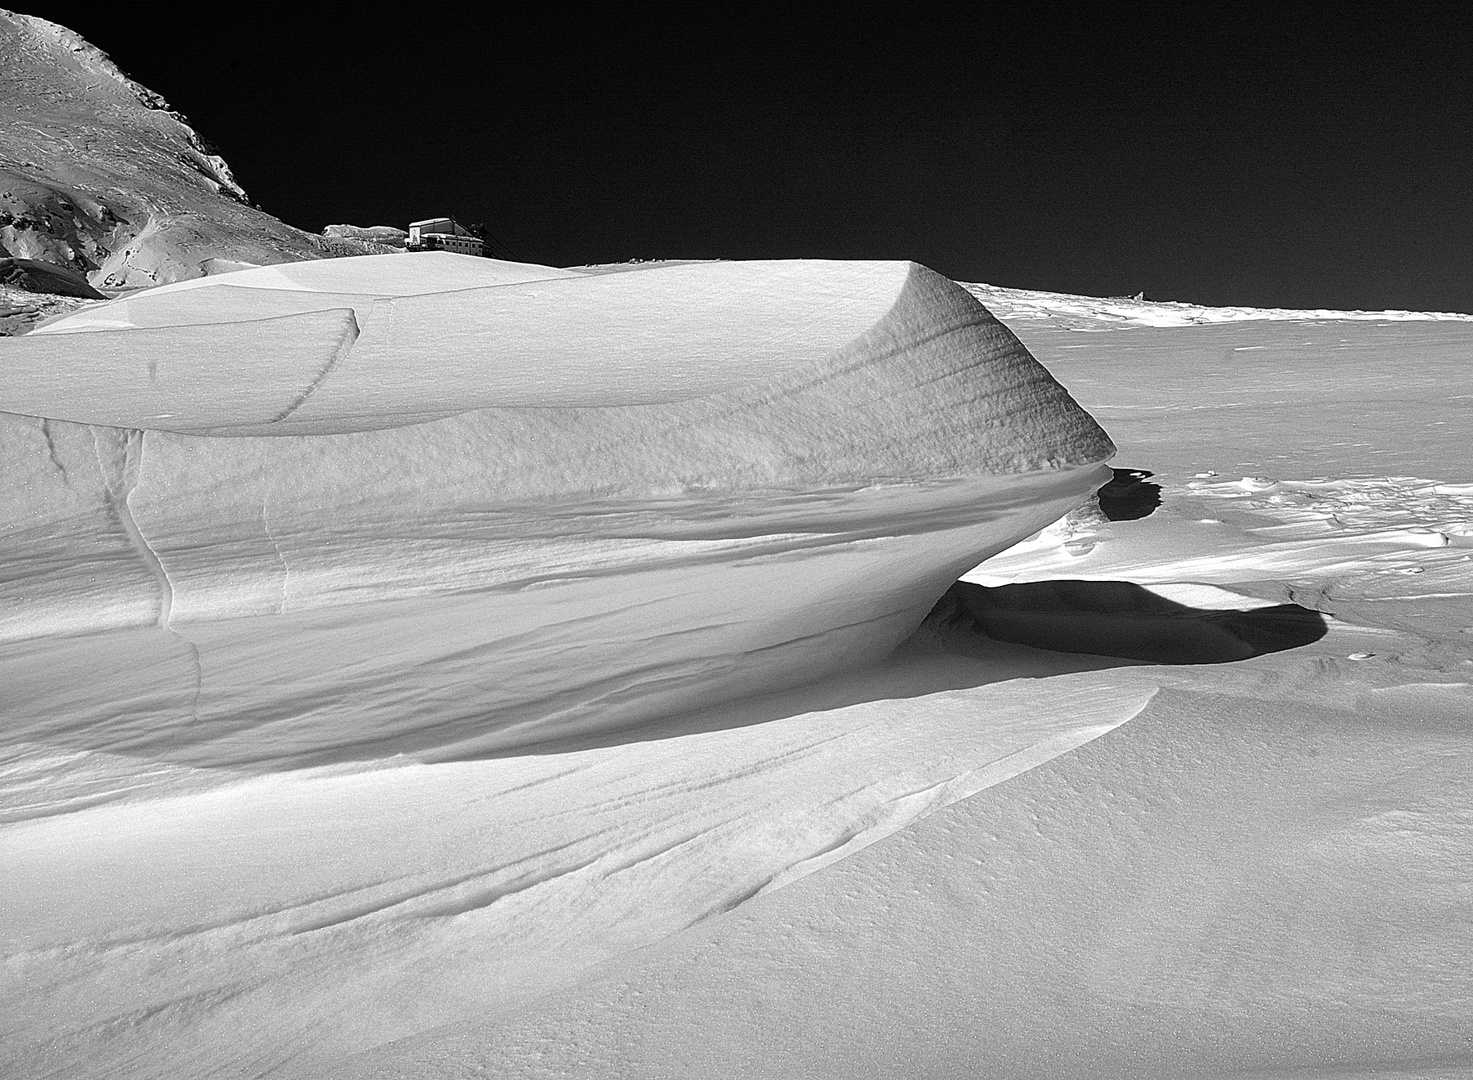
<point x="397" y="512"/>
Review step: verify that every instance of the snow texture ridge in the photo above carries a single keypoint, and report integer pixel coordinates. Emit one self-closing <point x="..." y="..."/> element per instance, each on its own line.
<point x="1119" y="312"/>
<point x="430" y="480"/>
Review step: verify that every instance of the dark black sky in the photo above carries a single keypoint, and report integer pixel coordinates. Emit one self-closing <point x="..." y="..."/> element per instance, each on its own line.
<point x="1226" y="158"/>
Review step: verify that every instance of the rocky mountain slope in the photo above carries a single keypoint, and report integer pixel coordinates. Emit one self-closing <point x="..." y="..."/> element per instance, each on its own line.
<point x="98" y="174"/>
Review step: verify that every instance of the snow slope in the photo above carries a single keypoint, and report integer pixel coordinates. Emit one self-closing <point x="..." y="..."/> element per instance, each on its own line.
<point x="1261" y="876"/>
<point x="1264" y="873"/>
<point x="1173" y="787"/>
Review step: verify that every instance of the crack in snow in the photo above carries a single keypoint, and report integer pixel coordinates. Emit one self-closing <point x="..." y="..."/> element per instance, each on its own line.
<point x="120" y="473"/>
<point x="345" y="346"/>
<point x="51" y="451"/>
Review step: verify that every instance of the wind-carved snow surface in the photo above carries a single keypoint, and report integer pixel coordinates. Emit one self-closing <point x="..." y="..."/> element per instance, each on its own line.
<point x="446" y="505"/>
<point x="1172" y="791"/>
<point x="1390" y="525"/>
<point x="1118" y="312"/>
<point x="1263" y="873"/>
<point x="313" y="571"/>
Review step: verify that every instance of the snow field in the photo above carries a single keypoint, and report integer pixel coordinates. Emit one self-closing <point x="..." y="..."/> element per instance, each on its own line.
<point x="1120" y="312"/>
<point x="1262" y="874"/>
<point x="958" y="860"/>
<point x="1257" y="876"/>
<point x="313" y="913"/>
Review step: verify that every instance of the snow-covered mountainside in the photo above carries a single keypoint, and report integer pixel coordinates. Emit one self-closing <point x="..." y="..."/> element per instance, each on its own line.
<point x="98" y="173"/>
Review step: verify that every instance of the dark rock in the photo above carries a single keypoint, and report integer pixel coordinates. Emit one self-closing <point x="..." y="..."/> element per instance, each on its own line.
<point x="36" y="276"/>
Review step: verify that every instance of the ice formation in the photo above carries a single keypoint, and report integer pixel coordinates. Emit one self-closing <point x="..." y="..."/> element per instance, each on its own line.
<point x="435" y="504"/>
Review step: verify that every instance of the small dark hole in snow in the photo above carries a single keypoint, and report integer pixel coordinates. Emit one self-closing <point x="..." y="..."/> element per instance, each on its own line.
<point x="1129" y="495"/>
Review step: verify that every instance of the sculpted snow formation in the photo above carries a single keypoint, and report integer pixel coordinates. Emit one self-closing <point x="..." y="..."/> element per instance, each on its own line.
<point x="443" y="505"/>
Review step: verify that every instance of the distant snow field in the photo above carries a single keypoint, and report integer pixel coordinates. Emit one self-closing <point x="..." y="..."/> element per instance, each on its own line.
<point x="417" y="666"/>
<point x="1105" y="312"/>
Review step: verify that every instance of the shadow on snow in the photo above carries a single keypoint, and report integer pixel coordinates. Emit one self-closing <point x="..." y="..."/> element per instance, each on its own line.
<point x="1118" y="619"/>
<point x="1129" y="496"/>
<point x="973" y="637"/>
<point x="977" y="635"/>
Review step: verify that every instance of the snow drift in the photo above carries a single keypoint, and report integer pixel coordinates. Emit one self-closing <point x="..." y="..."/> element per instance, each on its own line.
<point x="443" y="505"/>
<point x="978" y="856"/>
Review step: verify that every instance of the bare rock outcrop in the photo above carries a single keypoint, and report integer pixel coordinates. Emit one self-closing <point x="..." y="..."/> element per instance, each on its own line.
<point x="98" y="174"/>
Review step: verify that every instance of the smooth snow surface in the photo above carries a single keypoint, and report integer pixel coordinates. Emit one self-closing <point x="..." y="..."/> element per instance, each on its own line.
<point x="1172" y="787"/>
